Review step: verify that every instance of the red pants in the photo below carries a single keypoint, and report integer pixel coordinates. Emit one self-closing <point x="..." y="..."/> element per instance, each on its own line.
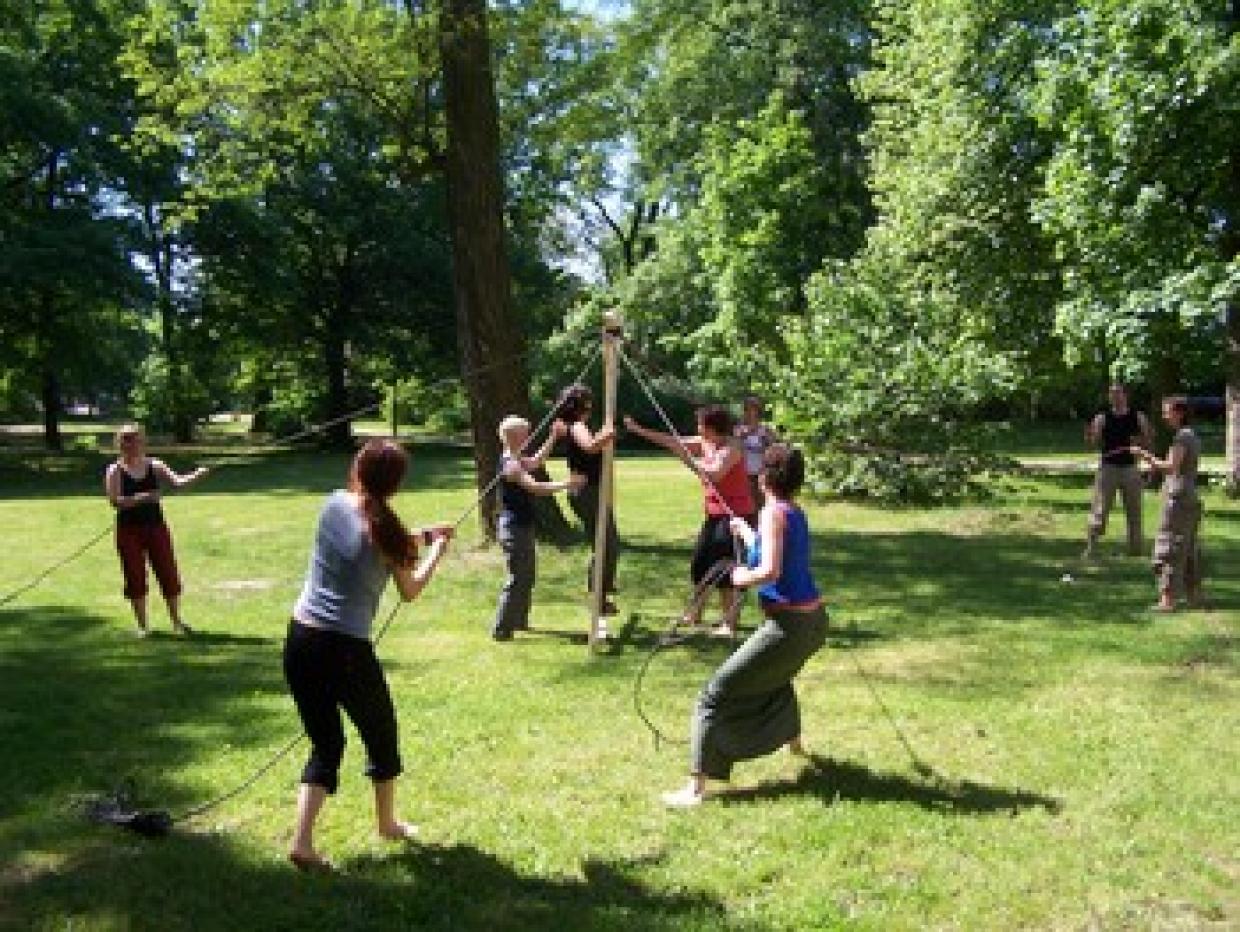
<point x="136" y="543"/>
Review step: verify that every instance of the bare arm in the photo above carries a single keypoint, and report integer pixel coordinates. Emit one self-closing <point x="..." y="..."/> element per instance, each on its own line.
<point x="410" y="581"/>
<point x="740" y="528"/>
<point x="1093" y="430"/>
<point x="719" y="465"/>
<point x="771" y="526"/>
<point x="667" y="441"/>
<point x="536" y="461"/>
<point x="590" y="442"/>
<point x="175" y="479"/>
<point x="515" y="473"/>
<point x="1173" y="465"/>
<point x="112" y="488"/>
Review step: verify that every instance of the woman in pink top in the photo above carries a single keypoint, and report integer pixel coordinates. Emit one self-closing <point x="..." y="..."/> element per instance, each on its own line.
<point x="719" y="460"/>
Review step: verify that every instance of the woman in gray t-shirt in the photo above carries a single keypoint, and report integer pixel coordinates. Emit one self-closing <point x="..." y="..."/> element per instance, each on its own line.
<point x="329" y="661"/>
<point x="1177" y="546"/>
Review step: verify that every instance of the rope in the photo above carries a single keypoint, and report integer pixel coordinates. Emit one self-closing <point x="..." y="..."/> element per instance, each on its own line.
<point x="670" y="639"/>
<point x="383" y="629"/>
<point x="551" y="413"/>
<point x="55" y="566"/>
<point x="219" y="462"/>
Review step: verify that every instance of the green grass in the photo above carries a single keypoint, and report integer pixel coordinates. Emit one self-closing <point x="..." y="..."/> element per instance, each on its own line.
<point x="1084" y="751"/>
<point x="1062" y="443"/>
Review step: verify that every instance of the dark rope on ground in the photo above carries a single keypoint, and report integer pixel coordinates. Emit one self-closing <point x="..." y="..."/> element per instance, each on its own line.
<point x="671" y="638"/>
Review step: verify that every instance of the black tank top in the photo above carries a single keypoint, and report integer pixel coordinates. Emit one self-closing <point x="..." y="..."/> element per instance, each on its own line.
<point x="514" y="501"/>
<point x="148" y="512"/>
<point x="1118" y="430"/>
<point x="582" y="462"/>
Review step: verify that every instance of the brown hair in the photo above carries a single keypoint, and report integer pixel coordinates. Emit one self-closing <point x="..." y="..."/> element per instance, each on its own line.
<point x="128" y="430"/>
<point x="717" y="418"/>
<point x="376" y="474"/>
<point x="1179" y="404"/>
<point x="784" y="468"/>
<point x="573" y="402"/>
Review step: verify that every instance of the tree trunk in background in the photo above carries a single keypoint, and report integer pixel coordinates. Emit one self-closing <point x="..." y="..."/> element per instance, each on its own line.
<point x="487" y="332"/>
<point x="339" y="436"/>
<point x="50" y="391"/>
<point x="1232" y="369"/>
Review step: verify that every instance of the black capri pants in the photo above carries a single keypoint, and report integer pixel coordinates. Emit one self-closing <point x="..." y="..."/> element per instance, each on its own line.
<point x="327" y="671"/>
<point x="714" y="543"/>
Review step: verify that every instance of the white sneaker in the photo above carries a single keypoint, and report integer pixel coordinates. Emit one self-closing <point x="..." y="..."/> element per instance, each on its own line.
<point x="684" y="798"/>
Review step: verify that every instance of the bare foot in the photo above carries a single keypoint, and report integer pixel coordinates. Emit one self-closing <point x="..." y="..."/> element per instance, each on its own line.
<point x="399" y="831"/>
<point x="723" y="630"/>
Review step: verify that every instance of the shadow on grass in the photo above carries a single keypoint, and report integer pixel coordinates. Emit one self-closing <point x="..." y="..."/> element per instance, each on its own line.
<point x="86" y="705"/>
<point x="831" y="780"/>
<point x="204" y="882"/>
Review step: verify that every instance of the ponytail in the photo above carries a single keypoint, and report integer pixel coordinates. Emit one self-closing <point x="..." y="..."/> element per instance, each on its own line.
<point x="387" y="531"/>
<point x="377" y="472"/>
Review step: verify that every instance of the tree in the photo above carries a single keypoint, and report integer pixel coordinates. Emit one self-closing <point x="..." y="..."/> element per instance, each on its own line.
<point x="65" y="278"/>
<point x="486" y="330"/>
<point x="1142" y="194"/>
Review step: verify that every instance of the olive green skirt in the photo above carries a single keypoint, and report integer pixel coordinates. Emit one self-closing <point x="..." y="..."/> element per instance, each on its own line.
<point x="749" y="708"/>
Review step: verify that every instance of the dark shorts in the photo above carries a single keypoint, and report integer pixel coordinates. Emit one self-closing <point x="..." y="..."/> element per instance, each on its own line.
<point x="328" y="671"/>
<point x="714" y="543"/>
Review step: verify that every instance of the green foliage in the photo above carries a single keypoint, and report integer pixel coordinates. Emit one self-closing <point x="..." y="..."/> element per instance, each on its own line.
<point x="163" y="395"/>
<point x="1140" y="193"/>
<point x="880" y="387"/>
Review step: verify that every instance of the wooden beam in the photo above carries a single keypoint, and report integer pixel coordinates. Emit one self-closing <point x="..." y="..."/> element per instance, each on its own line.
<point x="613" y="333"/>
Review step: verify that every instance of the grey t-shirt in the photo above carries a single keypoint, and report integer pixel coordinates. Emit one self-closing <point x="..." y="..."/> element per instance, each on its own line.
<point x="346" y="576"/>
<point x="1186" y="482"/>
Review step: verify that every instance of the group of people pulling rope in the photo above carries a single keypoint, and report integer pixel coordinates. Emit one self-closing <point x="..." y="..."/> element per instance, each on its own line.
<point x="754" y="535"/>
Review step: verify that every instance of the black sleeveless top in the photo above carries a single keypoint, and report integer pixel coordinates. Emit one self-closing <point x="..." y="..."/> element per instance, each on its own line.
<point x="1118" y="430"/>
<point x="515" y="503"/>
<point x="148" y="513"/>
<point x="582" y="462"/>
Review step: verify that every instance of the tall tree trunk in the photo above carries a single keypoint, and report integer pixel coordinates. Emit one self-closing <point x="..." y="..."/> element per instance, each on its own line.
<point x="50" y="381"/>
<point x="161" y="258"/>
<point x="1232" y="368"/>
<point x="340" y="435"/>
<point x="487" y="333"/>
<point x="50" y="390"/>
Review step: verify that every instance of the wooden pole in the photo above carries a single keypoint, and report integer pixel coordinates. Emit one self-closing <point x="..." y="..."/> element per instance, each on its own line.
<point x="613" y="332"/>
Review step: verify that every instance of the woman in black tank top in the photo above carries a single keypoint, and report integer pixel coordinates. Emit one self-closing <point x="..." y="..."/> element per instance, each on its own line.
<point x="584" y="456"/>
<point x="132" y="485"/>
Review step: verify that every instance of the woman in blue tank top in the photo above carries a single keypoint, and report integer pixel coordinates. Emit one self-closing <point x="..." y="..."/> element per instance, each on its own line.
<point x="749" y="708"/>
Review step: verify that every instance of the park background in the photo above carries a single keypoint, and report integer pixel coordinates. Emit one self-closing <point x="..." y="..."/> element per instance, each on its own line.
<point x="929" y="234"/>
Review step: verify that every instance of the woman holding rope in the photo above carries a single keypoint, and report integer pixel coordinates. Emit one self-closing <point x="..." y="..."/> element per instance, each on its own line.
<point x="515" y="524"/>
<point x="585" y="459"/>
<point x="1177" y="546"/>
<point x="329" y="660"/>
<point x="719" y="460"/>
<point x="132" y="485"/>
<point x="749" y="707"/>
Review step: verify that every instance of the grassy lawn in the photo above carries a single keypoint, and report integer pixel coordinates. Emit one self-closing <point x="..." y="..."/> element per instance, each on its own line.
<point x="1084" y="751"/>
<point x="1062" y="443"/>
